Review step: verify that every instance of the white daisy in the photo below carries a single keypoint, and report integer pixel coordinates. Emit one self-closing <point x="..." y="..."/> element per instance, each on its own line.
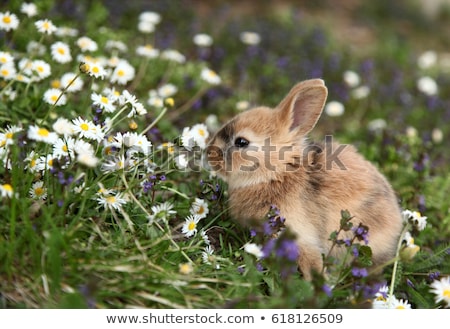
<point x="200" y="208"/>
<point x="162" y="211"/>
<point x="146" y="27"/>
<point x="123" y="73"/>
<point x="60" y="52"/>
<point x="139" y="143"/>
<point x="71" y="82"/>
<point x="88" y="159"/>
<point x="199" y="132"/>
<point x="155" y="100"/>
<point x="147" y="51"/>
<point x="87" y="44"/>
<point x="210" y="76"/>
<point x="87" y="129"/>
<point x="181" y="161"/>
<point x="94" y="69"/>
<point x="190" y="225"/>
<point x="207" y="255"/>
<point x="7" y="138"/>
<point x="427" y="85"/>
<point x="441" y="288"/>
<point x="8" y="71"/>
<point x="173" y="55"/>
<point x="41" y="134"/>
<point x="6" y="190"/>
<point x="205" y="237"/>
<point x="38" y="191"/>
<point x="112" y="201"/>
<point x="334" y="109"/>
<point x="114" y="45"/>
<point x="8" y="21"/>
<point x="414" y="218"/>
<point x="6" y="58"/>
<point x="65" y="31"/>
<point x="55" y="96"/>
<point x="104" y="102"/>
<point x="150" y="17"/>
<point x="45" y="26"/>
<point x="167" y="90"/>
<point x="254" y="249"/>
<point x="64" y="147"/>
<point x="250" y="38"/>
<point x="203" y="40"/>
<point x="351" y="78"/>
<point x="41" y="68"/>
<point x="62" y="126"/>
<point x="29" y="9"/>
<point x="45" y="162"/>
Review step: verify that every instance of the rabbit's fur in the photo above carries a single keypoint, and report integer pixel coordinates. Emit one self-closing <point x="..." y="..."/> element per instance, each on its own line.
<point x="308" y="182"/>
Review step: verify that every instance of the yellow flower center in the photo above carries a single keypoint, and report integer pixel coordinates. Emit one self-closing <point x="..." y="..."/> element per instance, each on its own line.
<point x="9" y="135"/>
<point x="7" y="19"/>
<point x="40" y="69"/>
<point x="446" y="293"/>
<point x="2" y="143"/>
<point x="61" y="51"/>
<point x="50" y="163"/>
<point x="7" y="187"/>
<point x="43" y="132"/>
<point x="111" y="199"/>
<point x="54" y="98"/>
<point x="39" y="191"/>
<point x="201" y="210"/>
<point x="191" y="226"/>
<point x="201" y="132"/>
<point x="33" y="163"/>
<point x="4" y="72"/>
<point x="95" y="69"/>
<point x="55" y="84"/>
<point x="105" y="100"/>
<point x="46" y="25"/>
<point x="121" y="73"/>
<point x="84" y="126"/>
<point x="400" y="307"/>
<point x="65" y="148"/>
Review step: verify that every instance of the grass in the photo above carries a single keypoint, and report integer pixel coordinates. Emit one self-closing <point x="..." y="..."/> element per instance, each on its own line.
<point x="108" y="227"/>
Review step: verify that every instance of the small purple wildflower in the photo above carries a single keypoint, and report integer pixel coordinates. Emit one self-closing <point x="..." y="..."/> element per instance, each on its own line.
<point x="359" y="272"/>
<point x="355" y="252"/>
<point x="288" y="249"/>
<point x="361" y="233"/>
<point x="327" y="290"/>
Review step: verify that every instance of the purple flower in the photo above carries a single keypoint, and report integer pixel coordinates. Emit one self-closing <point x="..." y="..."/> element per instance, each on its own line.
<point x="327" y="290"/>
<point x="288" y="249"/>
<point x="268" y="247"/>
<point x="359" y="272"/>
<point x="355" y="251"/>
<point x="361" y="233"/>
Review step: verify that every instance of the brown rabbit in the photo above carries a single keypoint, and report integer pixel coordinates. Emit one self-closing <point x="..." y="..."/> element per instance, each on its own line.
<point x="264" y="156"/>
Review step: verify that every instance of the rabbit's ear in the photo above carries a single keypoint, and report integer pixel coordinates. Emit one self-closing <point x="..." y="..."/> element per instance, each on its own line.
<point x="301" y="108"/>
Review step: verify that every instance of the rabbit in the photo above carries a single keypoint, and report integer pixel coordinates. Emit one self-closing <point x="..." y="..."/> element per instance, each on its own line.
<point x="266" y="159"/>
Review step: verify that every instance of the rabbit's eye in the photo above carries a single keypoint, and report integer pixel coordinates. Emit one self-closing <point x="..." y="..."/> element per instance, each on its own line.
<point x="241" y="142"/>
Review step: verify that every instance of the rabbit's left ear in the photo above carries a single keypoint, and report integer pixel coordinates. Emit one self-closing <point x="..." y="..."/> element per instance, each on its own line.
<point x="301" y="108"/>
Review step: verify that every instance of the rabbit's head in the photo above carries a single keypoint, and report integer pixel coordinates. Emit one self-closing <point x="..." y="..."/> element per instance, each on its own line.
<point x="259" y="144"/>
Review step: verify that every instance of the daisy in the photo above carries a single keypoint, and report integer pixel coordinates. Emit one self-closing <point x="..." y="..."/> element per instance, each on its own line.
<point x="361" y="92"/>
<point x="427" y="59"/>
<point x="6" y="190"/>
<point x="45" y="162"/>
<point x="45" y="26"/>
<point x="250" y="38"/>
<point x="123" y="73"/>
<point x="181" y="161"/>
<point x="41" y="68"/>
<point x="173" y="55"/>
<point x="62" y="126"/>
<point x="140" y="143"/>
<point x="113" y="45"/>
<point x="210" y="76"/>
<point x="162" y="211"/>
<point x="205" y="237"/>
<point x="147" y="51"/>
<point x="146" y="27"/>
<point x="167" y="90"/>
<point x="104" y="102"/>
<point x="399" y="304"/>
<point x="55" y="96"/>
<point x="114" y="164"/>
<point x="150" y="17"/>
<point x="8" y="71"/>
<point x="87" y="44"/>
<point x="38" y="191"/>
<point x="415" y="219"/>
<point x="60" y="52"/>
<point x="200" y="208"/>
<point x="200" y="134"/>
<point x="64" y="147"/>
<point x="82" y="147"/>
<point x="185" y="268"/>
<point x="35" y="48"/>
<point x="87" y="129"/>
<point x="33" y="161"/>
<point x="190" y="225"/>
<point x="254" y="249"/>
<point x="64" y="31"/>
<point x="28" y="9"/>
<point x="351" y="78"/>
<point x="71" y="82"/>
<point x="41" y="135"/>
<point x="202" y="40"/>
<point x="6" y="138"/>
<point x="207" y="255"/>
<point x="427" y="85"/>
<point x="8" y="21"/>
<point x="88" y="159"/>
<point x="6" y="58"/>
<point x="334" y="109"/>
<point x="155" y="100"/>
<point x="441" y="288"/>
<point x="112" y="201"/>
<point x="94" y="69"/>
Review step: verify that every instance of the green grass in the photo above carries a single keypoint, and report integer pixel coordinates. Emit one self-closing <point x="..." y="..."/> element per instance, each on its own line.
<point x="68" y="250"/>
